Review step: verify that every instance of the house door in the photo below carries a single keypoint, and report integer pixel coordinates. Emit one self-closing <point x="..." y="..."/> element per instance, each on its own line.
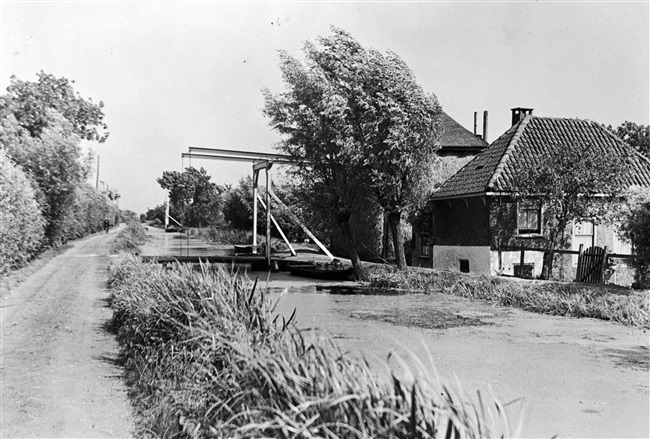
<point x="583" y="234"/>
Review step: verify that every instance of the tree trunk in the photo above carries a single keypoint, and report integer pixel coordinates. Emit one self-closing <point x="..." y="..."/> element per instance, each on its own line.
<point x="344" y="224"/>
<point x="398" y="242"/>
<point x="549" y="255"/>
<point x="385" y="238"/>
<point x="547" y="268"/>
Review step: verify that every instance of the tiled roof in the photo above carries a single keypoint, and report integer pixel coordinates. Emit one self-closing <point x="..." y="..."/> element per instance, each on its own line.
<point x="456" y="137"/>
<point x="493" y="170"/>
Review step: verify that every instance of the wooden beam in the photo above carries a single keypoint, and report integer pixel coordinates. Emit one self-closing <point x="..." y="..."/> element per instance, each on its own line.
<point x="255" y="214"/>
<point x="254" y="155"/>
<point x="234" y="158"/>
<point x="262" y="164"/>
<point x="277" y="226"/>
<point x="302" y="226"/>
<point x="268" y="218"/>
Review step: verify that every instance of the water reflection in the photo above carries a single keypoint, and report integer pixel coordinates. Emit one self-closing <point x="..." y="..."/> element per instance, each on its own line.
<point x="338" y="290"/>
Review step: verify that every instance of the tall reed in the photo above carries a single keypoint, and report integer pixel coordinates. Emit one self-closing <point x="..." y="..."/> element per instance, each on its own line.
<point x="207" y="357"/>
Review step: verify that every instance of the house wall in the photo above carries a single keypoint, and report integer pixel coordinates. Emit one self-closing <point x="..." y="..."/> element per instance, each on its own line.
<point x="448" y="257"/>
<point x="450" y="162"/>
<point x="503" y="234"/>
<point x="461" y="233"/>
<point x="486" y="235"/>
<point x="504" y="237"/>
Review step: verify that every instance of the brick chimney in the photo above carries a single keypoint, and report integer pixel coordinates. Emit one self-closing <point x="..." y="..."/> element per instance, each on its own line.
<point x="485" y="115"/>
<point x="485" y="124"/>
<point x="519" y="113"/>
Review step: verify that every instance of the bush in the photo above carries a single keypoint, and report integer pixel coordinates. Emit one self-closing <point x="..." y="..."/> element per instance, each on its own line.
<point x="635" y="227"/>
<point x="21" y="223"/>
<point x="206" y="357"/>
<point x="87" y="213"/>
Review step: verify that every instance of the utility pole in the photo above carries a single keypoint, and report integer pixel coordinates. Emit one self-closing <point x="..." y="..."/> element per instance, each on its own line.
<point x="97" y="178"/>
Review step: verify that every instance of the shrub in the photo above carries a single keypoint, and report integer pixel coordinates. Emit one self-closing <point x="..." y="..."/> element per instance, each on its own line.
<point x="635" y="227"/>
<point x="21" y="223"/>
<point x="87" y="213"/>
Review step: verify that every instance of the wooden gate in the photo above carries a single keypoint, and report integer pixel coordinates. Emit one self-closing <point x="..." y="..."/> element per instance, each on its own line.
<point x="591" y="265"/>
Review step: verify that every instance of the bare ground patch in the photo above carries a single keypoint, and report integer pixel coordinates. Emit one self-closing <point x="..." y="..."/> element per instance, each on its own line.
<point x="637" y="357"/>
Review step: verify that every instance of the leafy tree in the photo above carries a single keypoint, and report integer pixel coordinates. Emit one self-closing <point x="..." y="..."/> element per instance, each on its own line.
<point x="42" y="124"/>
<point x="575" y="183"/>
<point x="359" y="123"/>
<point x="157" y="212"/>
<point x="238" y="205"/>
<point x="634" y="225"/>
<point x="637" y="136"/>
<point x="193" y="196"/>
<point x="30" y="103"/>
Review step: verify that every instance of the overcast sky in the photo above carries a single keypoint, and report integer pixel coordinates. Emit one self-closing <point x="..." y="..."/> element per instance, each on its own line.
<point x="180" y="74"/>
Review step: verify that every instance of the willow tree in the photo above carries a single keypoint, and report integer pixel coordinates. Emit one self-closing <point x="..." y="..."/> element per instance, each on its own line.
<point x="362" y="125"/>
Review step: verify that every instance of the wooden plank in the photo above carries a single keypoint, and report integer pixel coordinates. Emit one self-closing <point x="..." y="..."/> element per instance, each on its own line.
<point x="268" y="216"/>
<point x="590" y="265"/>
<point x="256" y="155"/>
<point x="277" y="226"/>
<point x="302" y="226"/>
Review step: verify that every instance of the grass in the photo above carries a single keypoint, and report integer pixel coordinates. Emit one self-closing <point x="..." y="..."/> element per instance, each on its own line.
<point x="130" y="239"/>
<point x="207" y="357"/>
<point x="555" y="298"/>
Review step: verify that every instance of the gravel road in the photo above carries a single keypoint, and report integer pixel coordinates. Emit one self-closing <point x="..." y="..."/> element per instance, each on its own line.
<point x="59" y="376"/>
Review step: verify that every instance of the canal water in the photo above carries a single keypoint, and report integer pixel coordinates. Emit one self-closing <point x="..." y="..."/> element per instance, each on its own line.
<point x="570" y="374"/>
<point x="560" y="372"/>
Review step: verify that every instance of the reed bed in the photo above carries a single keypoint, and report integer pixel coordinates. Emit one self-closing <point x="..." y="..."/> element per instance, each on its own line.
<point x="207" y="357"/>
<point x="130" y="239"/>
<point x="555" y="298"/>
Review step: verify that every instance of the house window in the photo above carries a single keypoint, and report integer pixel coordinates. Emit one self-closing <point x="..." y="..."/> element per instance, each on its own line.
<point x="528" y="217"/>
<point x="464" y="265"/>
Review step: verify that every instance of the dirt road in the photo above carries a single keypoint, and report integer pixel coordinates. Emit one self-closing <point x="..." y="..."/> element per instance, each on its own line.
<point x="58" y="371"/>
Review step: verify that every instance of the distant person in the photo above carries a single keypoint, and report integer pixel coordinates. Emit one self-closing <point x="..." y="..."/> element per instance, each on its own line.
<point x="107" y="224"/>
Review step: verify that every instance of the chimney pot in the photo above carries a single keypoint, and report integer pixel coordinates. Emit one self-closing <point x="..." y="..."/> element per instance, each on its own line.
<point x="519" y="113"/>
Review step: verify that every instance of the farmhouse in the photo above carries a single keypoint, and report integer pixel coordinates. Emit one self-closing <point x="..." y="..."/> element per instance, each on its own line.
<point x="478" y="225"/>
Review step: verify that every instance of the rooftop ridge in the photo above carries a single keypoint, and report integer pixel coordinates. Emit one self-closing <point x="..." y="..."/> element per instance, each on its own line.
<point x="506" y="153"/>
